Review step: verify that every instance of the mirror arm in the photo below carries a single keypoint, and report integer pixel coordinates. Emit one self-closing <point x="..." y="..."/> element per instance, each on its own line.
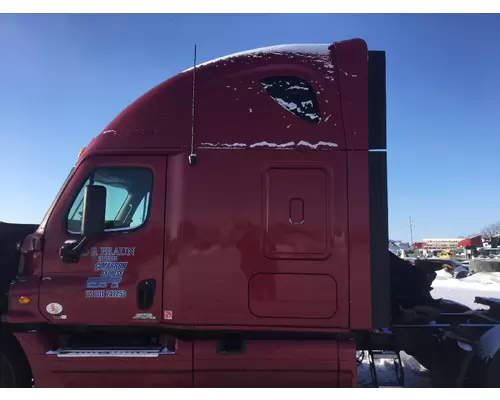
<point x="71" y="251"/>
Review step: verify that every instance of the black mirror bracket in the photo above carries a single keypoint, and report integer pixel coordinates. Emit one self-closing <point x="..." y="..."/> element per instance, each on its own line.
<point x="71" y="251"/>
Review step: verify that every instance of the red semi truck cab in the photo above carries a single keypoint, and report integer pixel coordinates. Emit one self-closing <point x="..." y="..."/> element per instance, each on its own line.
<point x="228" y="228"/>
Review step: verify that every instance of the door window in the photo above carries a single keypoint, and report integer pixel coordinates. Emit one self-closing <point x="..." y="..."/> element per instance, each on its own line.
<point x="128" y="193"/>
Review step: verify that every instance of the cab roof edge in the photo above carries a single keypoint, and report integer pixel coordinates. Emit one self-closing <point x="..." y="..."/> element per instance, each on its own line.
<point x="300" y="48"/>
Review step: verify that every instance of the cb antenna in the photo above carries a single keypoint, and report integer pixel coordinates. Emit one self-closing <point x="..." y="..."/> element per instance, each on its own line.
<point x="192" y="156"/>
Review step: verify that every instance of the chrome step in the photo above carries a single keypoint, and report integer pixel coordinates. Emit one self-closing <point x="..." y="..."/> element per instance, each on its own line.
<point x="108" y="352"/>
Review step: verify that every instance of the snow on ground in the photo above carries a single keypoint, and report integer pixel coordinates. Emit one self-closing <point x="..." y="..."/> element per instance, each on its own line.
<point x="415" y="375"/>
<point x="486" y="284"/>
<point x="464" y="291"/>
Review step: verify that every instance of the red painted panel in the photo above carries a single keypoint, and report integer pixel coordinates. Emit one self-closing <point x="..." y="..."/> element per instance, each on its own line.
<point x="51" y="371"/>
<point x="283" y="363"/>
<point x="347" y="364"/>
<point x="213" y="236"/>
<point x="267" y="379"/>
<point x="352" y="64"/>
<point x="304" y="190"/>
<point x="66" y="283"/>
<point x="292" y="296"/>
<point x="24" y="313"/>
<point x="107" y="376"/>
<point x="231" y="106"/>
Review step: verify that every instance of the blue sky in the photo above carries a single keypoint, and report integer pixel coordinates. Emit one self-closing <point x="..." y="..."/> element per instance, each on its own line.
<point x="64" y="77"/>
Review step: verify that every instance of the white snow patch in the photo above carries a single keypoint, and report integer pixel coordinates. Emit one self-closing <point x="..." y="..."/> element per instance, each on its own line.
<point x="315" y="146"/>
<point x="289" y="106"/>
<point x="250" y="110"/>
<point x="485" y="278"/>
<point x="486" y="284"/>
<point x="306" y="103"/>
<point x="327" y="118"/>
<point x="416" y="376"/>
<point x="317" y="50"/>
<point x="312" y="116"/>
<point x="267" y="144"/>
<point x="287" y="145"/>
<point x="224" y="144"/>
<point x="298" y="87"/>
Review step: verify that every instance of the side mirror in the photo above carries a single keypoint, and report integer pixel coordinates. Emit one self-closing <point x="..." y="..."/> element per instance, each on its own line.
<point x="94" y="211"/>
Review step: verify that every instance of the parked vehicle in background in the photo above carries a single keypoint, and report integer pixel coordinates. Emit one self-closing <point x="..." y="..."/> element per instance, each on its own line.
<point x="488" y="252"/>
<point x="456" y="268"/>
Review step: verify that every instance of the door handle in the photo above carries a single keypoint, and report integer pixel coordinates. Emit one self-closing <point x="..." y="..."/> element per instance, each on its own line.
<point x="146" y="293"/>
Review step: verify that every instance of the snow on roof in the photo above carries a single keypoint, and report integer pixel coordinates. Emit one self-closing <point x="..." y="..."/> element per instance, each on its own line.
<point x="315" y="49"/>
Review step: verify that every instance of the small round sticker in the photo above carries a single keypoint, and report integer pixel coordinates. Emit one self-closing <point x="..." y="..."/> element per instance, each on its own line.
<point x="54" y="308"/>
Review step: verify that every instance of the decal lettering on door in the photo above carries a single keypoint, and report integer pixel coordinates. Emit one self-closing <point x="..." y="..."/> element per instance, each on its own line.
<point x="111" y="269"/>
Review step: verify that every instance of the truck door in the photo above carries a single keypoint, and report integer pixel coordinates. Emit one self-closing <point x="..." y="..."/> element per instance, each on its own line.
<point x="118" y="279"/>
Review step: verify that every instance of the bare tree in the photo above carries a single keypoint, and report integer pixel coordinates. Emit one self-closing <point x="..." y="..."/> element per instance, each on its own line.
<point x="491" y="230"/>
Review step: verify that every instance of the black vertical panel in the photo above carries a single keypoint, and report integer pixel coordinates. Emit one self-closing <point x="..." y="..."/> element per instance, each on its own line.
<point x="377" y="164"/>
<point x="379" y="239"/>
<point x="376" y="100"/>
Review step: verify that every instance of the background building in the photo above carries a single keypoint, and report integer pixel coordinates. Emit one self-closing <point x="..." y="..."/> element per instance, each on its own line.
<point x="441" y="243"/>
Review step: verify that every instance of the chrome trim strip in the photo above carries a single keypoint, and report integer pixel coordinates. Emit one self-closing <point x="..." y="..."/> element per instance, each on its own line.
<point x="131" y="353"/>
